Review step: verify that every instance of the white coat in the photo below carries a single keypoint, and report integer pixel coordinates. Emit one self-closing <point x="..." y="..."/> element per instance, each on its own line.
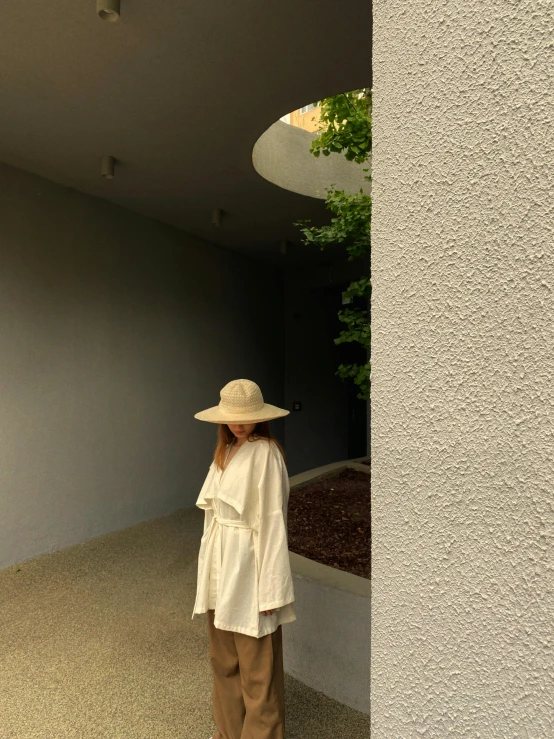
<point x="251" y="545"/>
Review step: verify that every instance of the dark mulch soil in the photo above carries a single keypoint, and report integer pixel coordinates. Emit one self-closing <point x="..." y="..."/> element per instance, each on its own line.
<point x="329" y="521"/>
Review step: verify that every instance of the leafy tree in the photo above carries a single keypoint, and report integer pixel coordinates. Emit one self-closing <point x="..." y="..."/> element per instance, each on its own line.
<point x="345" y="127"/>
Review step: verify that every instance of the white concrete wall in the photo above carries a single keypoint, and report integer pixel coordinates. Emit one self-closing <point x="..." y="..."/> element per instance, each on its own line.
<point x="463" y="366"/>
<point x="114" y="331"/>
<point x="328" y="647"/>
<point x="282" y="156"/>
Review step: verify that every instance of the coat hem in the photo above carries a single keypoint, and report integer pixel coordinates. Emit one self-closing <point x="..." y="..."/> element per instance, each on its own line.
<point x="250" y="632"/>
<point x="275" y="604"/>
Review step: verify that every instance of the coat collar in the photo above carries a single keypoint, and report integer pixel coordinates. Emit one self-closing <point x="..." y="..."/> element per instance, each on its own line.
<point x="236" y="492"/>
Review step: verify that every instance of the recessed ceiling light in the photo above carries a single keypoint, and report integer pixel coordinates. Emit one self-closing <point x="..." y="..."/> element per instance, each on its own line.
<point x="107" y="168"/>
<point x="216" y="217"/>
<point x="108" y="10"/>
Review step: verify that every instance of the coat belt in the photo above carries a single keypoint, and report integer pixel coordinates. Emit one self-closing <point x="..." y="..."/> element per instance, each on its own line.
<point x="226" y="522"/>
<point x="223" y="522"/>
<point x="231" y="522"/>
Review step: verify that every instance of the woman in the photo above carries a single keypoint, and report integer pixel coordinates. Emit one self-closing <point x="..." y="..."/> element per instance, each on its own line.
<point x="244" y="578"/>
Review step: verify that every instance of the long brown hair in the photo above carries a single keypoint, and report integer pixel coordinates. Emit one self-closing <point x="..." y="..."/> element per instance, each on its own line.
<point x="225" y="436"/>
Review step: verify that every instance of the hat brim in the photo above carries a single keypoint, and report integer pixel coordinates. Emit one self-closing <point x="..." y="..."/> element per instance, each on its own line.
<point x="216" y="415"/>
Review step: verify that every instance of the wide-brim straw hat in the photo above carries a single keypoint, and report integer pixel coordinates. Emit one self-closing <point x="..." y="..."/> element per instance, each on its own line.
<point x="241" y="402"/>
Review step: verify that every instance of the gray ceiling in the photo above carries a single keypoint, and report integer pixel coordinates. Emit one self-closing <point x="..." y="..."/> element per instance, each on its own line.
<point x="179" y="92"/>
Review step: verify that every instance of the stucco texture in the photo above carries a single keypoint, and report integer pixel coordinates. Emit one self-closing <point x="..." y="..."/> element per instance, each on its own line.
<point x="463" y="360"/>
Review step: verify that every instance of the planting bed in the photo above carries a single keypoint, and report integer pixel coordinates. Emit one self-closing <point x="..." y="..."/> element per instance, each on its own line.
<point x="329" y="521"/>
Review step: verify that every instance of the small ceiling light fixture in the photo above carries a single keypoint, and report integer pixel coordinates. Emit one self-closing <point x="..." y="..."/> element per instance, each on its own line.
<point x="108" y="10"/>
<point x="216" y="217"/>
<point x="107" y="169"/>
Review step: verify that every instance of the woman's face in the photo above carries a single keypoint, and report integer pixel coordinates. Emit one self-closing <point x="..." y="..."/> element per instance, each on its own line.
<point x="242" y="430"/>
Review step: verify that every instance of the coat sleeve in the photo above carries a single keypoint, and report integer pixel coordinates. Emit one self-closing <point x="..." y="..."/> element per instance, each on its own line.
<point x="275" y="586"/>
<point x="202" y="503"/>
<point x="208" y="516"/>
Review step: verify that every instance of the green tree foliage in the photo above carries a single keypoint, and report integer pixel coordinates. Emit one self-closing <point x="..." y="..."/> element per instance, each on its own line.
<point x="346" y="128"/>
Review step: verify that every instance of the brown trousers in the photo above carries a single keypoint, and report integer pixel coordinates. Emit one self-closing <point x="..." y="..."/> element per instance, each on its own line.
<point x="249" y="684"/>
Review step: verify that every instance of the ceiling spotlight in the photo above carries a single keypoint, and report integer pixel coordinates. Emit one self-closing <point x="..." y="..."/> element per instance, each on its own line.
<point x="216" y="217"/>
<point x="107" y="169"/>
<point x="108" y="10"/>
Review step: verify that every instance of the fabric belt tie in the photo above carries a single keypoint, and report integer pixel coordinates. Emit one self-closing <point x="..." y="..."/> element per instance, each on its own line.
<point x="231" y="522"/>
<point x="226" y="522"/>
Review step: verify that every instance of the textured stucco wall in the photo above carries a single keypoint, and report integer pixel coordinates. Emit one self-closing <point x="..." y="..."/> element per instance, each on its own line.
<point x="463" y="365"/>
<point x="114" y="331"/>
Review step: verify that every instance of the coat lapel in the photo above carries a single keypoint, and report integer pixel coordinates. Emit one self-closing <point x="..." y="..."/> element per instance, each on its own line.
<point x="232" y="485"/>
<point x="207" y="491"/>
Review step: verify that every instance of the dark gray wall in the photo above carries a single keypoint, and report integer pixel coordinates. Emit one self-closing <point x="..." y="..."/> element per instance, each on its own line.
<point x="325" y="430"/>
<point x="114" y="331"/>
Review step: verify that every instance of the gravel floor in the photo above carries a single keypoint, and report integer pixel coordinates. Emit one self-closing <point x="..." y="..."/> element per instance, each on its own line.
<point x="97" y="642"/>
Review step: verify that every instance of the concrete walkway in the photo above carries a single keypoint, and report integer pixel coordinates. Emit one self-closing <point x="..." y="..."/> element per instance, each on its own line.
<point x="97" y="642"/>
